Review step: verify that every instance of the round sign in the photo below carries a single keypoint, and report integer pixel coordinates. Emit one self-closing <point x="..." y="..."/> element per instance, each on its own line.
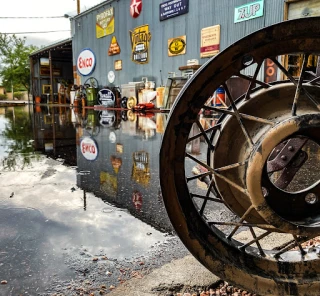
<point x="89" y="148"/>
<point x="111" y="76"/>
<point x="177" y="46"/>
<point x="107" y="118"/>
<point x="106" y="97"/>
<point x="86" y="62"/>
<point x="135" y="8"/>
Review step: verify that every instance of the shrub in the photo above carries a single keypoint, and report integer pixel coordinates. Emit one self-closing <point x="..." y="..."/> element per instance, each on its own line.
<point x="3" y="97"/>
<point x="19" y="95"/>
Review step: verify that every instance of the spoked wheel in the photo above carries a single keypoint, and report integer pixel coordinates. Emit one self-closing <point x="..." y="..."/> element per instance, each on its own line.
<point x="243" y="194"/>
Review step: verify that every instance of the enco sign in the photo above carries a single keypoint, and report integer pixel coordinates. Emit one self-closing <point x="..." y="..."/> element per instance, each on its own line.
<point x="86" y="62"/>
<point x="89" y="148"/>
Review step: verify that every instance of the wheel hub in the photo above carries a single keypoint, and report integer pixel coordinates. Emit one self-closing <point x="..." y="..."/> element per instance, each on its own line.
<point x="294" y="212"/>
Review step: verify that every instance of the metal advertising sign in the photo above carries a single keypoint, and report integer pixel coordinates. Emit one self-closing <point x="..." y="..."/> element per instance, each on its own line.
<point x="140" y="39"/>
<point x="106" y="97"/>
<point x="248" y="11"/>
<point x="114" y="47"/>
<point x="135" y="8"/>
<point x="173" y="8"/>
<point x="177" y="46"/>
<point x="86" y="62"/>
<point x="270" y="71"/>
<point x="210" y="41"/>
<point x="105" y="23"/>
<point x="89" y="148"/>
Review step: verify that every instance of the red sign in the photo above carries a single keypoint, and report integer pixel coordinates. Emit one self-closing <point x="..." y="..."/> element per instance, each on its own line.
<point x="89" y="148"/>
<point x="137" y="200"/>
<point x="270" y="70"/>
<point x="135" y="8"/>
<point x="86" y="62"/>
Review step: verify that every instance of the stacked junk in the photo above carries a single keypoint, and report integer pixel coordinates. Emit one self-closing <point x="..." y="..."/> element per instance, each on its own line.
<point x="137" y="96"/>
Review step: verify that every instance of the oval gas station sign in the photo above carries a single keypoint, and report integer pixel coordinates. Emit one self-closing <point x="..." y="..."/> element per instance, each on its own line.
<point x="89" y="148"/>
<point x="86" y="62"/>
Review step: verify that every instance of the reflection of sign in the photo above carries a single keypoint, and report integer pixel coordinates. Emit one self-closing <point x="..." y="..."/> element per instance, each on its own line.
<point x="210" y="41"/>
<point x="177" y="46"/>
<point x="140" y="169"/>
<point x="173" y="8"/>
<point x="135" y="8"/>
<point x="108" y="184"/>
<point x="248" y="11"/>
<point x="107" y="118"/>
<point x="137" y="199"/>
<point x="86" y="62"/>
<point x="270" y="71"/>
<point x="114" y="47"/>
<point x="116" y="163"/>
<point x="105" y="23"/>
<point x="140" y="38"/>
<point x="106" y="97"/>
<point x="89" y="148"/>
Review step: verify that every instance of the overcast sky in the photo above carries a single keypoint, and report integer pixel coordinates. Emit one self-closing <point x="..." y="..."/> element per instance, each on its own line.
<point x="40" y="8"/>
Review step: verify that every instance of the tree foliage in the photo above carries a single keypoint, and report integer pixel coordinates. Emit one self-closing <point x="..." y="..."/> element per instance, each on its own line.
<point x="15" y="65"/>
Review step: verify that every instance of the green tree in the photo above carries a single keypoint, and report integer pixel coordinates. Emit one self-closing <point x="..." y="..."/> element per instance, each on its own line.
<point x="14" y="59"/>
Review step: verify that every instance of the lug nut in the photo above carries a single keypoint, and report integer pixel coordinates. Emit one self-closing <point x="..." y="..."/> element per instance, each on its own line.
<point x="283" y="157"/>
<point x="290" y="148"/>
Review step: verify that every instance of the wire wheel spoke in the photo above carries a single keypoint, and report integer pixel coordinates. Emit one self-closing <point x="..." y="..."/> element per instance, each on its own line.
<point x="238" y="152"/>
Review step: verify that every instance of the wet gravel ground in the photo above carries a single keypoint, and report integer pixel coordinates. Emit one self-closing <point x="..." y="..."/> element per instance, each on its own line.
<point x="96" y="274"/>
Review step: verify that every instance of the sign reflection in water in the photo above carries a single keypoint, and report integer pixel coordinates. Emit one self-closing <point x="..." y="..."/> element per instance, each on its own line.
<point x="127" y="161"/>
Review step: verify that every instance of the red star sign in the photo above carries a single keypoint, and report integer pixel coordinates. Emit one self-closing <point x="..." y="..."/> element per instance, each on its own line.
<point x="135" y="8"/>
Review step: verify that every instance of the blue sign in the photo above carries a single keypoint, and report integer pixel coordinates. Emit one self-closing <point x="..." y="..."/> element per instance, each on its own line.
<point x="173" y="8"/>
<point x="248" y="11"/>
<point x="106" y="98"/>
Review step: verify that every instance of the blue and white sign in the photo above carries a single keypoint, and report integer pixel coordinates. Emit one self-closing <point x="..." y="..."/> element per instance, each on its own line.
<point x="106" y="98"/>
<point x="248" y="11"/>
<point x="173" y="8"/>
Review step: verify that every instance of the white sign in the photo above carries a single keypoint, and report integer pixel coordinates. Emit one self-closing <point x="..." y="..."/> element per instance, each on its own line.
<point x="89" y="148"/>
<point x="86" y="62"/>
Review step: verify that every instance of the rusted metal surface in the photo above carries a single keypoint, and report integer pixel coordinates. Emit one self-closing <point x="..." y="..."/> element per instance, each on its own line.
<point x="245" y="178"/>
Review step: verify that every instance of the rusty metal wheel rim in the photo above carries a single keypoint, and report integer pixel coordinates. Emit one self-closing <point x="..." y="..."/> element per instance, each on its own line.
<point x="263" y="271"/>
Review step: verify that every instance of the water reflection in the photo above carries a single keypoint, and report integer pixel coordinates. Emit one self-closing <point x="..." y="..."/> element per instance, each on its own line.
<point x="73" y="180"/>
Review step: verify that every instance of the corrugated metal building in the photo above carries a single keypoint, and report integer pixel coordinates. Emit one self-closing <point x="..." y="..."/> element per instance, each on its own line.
<point x="114" y="17"/>
<point x="201" y="14"/>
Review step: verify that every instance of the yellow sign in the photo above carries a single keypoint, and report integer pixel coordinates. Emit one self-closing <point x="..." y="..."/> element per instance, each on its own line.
<point x="105" y="23"/>
<point x="140" y="40"/>
<point x="177" y="46"/>
<point x="210" y="41"/>
<point x="114" y="47"/>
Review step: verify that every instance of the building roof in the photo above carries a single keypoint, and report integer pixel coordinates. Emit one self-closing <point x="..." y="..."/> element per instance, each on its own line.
<point x="63" y="44"/>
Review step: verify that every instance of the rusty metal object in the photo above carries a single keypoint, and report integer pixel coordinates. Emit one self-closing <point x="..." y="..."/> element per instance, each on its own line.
<point x="246" y="201"/>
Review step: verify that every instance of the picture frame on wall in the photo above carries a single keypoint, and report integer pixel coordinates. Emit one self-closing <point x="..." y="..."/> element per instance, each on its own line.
<point x="46" y="88"/>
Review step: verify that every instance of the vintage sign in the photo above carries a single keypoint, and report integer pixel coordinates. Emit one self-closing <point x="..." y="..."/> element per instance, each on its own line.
<point x="135" y="8"/>
<point x="140" y="40"/>
<point x="89" y="148"/>
<point x="114" y="47"/>
<point x="173" y="8"/>
<point x="106" y="97"/>
<point x="270" y="71"/>
<point x="210" y="41"/>
<point x="118" y="65"/>
<point x="86" y="62"/>
<point x="177" y="46"/>
<point x="248" y="11"/>
<point x="105" y="23"/>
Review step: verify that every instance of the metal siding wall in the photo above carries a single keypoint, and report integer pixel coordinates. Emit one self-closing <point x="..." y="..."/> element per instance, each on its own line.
<point x="202" y="13"/>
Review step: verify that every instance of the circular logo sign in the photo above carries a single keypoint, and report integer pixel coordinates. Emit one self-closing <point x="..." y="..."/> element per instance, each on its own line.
<point x="135" y="8"/>
<point x="86" y="62"/>
<point x="89" y="148"/>
<point x="106" y="97"/>
<point x="177" y="46"/>
<point x="107" y="118"/>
